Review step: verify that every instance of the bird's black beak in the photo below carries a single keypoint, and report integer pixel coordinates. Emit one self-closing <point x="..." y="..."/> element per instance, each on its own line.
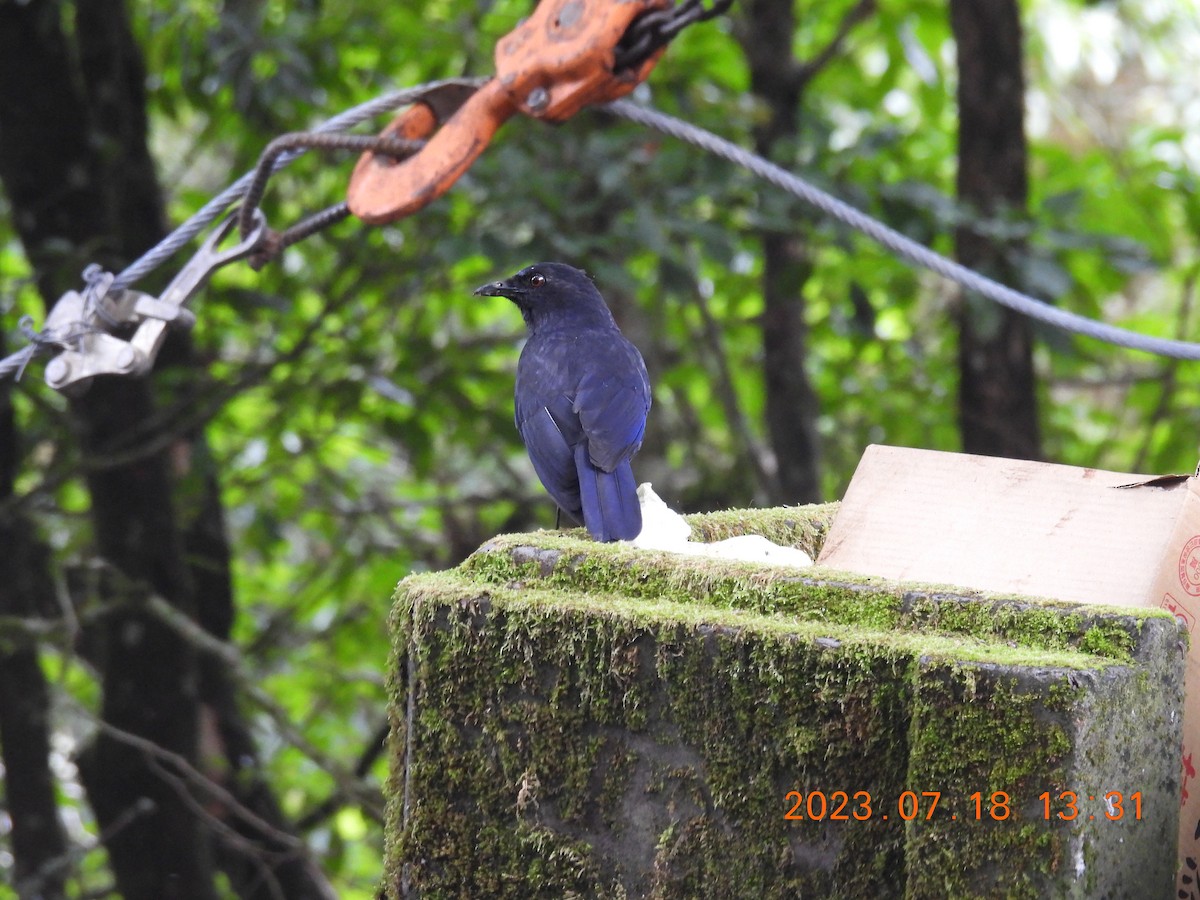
<point x="498" y="289"/>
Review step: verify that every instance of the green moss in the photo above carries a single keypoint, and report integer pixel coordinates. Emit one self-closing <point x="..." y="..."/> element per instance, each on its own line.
<point x="544" y="605"/>
<point x="803" y="527"/>
<point x="596" y="721"/>
<point x="560" y="561"/>
<point x="533" y="701"/>
<point x="1104" y="640"/>
<point x="991" y="743"/>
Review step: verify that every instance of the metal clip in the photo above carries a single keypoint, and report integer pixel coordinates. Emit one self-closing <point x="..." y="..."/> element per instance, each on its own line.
<point x="84" y="316"/>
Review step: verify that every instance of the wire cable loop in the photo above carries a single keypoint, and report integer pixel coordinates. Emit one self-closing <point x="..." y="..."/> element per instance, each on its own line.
<point x="216" y="207"/>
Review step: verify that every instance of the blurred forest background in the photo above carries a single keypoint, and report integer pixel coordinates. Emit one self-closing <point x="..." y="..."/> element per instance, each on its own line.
<point x="344" y="417"/>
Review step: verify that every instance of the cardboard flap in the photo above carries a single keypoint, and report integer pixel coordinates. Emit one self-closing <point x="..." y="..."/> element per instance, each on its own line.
<point x="1008" y="526"/>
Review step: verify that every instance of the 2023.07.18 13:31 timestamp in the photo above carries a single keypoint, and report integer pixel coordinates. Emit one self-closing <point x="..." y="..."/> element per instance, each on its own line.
<point x="843" y="806"/>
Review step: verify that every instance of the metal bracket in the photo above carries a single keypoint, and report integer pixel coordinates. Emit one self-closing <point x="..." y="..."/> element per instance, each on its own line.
<point x="84" y="318"/>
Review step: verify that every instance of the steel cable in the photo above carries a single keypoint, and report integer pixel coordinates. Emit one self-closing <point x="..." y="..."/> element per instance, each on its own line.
<point x="887" y="237"/>
<point x="895" y="242"/>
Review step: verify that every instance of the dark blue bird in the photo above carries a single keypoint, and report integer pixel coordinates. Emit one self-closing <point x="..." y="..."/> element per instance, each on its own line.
<point x="581" y="399"/>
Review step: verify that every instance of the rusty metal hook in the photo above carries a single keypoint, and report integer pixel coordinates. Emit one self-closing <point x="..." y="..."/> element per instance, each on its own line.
<point x="559" y="60"/>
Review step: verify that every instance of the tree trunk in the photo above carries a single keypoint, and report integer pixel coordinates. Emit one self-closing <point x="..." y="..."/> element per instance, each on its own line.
<point x="997" y="398"/>
<point x="63" y="176"/>
<point x="765" y="33"/>
<point x="26" y="589"/>
<point x="75" y="166"/>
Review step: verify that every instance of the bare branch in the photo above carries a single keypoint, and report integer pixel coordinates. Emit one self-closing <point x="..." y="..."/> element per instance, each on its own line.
<point x="751" y="452"/>
<point x="810" y="68"/>
<point x="196" y="779"/>
<point x="32" y="886"/>
<point x="329" y="806"/>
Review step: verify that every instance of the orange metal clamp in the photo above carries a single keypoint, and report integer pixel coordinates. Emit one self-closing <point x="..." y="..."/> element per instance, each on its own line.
<point x="553" y="64"/>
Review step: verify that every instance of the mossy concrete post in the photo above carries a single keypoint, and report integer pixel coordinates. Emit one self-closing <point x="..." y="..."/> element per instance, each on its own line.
<point x="579" y="720"/>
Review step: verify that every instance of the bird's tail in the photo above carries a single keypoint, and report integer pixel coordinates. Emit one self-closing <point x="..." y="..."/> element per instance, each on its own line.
<point x="611" y="510"/>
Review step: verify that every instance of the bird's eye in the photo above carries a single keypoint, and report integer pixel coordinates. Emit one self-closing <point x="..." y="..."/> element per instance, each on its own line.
<point x="537" y="280"/>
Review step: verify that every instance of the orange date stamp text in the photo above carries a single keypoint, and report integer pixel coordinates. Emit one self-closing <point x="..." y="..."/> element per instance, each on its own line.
<point x="861" y="806"/>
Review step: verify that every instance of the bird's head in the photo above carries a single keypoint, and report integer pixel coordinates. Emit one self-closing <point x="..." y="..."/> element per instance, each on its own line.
<point x="552" y="295"/>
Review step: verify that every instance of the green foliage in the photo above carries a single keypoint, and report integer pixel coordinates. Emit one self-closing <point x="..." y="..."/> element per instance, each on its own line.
<point x="358" y="401"/>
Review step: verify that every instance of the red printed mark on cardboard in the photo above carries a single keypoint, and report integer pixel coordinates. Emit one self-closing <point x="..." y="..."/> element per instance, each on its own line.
<point x="1179" y="611"/>
<point x="1189" y="566"/>
<point x="1189" y="772"/>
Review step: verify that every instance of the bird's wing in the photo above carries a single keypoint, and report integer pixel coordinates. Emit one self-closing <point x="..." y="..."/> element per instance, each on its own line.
<point x="552" y="458"/>
<point x="546" y="422"/>
<point x="612" y="400"/>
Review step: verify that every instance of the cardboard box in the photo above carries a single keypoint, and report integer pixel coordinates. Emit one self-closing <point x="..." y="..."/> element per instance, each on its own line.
<point x="1043" y="530"/>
